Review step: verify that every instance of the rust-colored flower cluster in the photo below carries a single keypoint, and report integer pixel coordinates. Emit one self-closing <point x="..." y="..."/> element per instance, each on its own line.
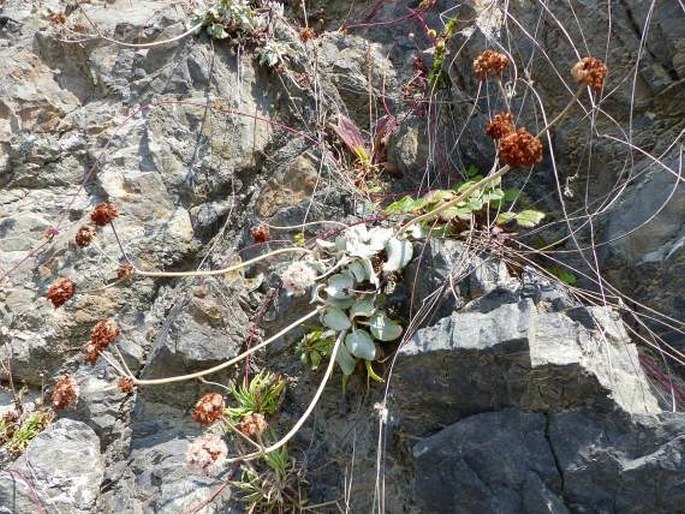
<point x="125" y="385"/>
<point x="253" y="425"/>
<point x="124" y="271"/>
<point x="61" y="291"/>
<point x="520" y="148"/>
<point x="104" y="213"/>
<point x="84" y="236"/>
<point x="590" y="72"/>
<point x="500" y="126"/>
<point x="66" y="392"/>
<point x="489" y="63"/>
<point x="209" y="408"/>
<point x="261" y="233"/>
<point x="101" y="336"/>
<point x="307" y="33"/>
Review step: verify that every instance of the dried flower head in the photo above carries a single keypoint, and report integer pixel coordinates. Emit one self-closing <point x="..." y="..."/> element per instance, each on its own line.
<point x="84" y="236"/>
<point x="307" y="33"/>
<point x="260" y="233"/>
<point x="91" y="351"/>
<point x="209" y="408"/>
<point x="520" y="148"/>
<point x="298" y="278"/>
<point x="124" y="271"/>
<point x="501" y="125"/>
<point x="104" y="333"/>
<point x="125" y="385"/>
<point x="61" y="291"/>
<point x="206" y="454"/>
<point x="590" y="72"/>
<point x="253" y="425"/>
<point x="66" y="392"/>
<point x="489" y="63"/>
<point x="104" y="213"/>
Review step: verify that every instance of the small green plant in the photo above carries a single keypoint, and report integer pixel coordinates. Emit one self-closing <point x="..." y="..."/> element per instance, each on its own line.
<point x="33" y="424"/>
<point x="261" y="396"/>
<point x="484" y="206"/>
<point x="271" y="484"/>
<point x="315" y="346"/>
<point x="437" y="77"/>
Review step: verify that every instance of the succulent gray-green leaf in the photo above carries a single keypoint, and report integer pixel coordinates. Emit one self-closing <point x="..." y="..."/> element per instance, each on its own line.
<point x="345" y="360"/>
<point x="383" y="328"/>
<point x="378" y="238"/>
<point x="362" y="308"/>
<point x="359" y="270"/>
<point x="343" y="304"/>
<point x="339" y="285"/>
<point x="361" y="345"/>
<point x="399" y="254"/>
<point x="336" y="319"/>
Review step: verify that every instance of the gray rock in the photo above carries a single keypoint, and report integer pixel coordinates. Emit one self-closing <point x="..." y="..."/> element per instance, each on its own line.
<point x="516" y="355"/>
<point x="61" y="469"/>
<point x="489" y="463"/>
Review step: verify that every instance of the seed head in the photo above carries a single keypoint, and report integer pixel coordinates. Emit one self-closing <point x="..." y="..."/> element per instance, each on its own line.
<point x="253" y="425"/>
<point x="206" y="454"/>
<point x="61" y="291"/>
<point x="489" y="63"/>
<point x="261" y="234"/>
<point x="84" y="236"/>
<point x="104" y="333"/>
<point x="104" y="213"/>
<point x="501" y="125"/>
<point x="209" y="408"/>
<point x="125" y="385"/>
<point x="520" y="148"/>
<point x="65" y="393"/>
<point x="124" y="271"/>
<point x="590" y="72"/>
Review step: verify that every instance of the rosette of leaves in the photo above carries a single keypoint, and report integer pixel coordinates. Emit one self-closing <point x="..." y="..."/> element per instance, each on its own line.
<point x="352" y="292"/>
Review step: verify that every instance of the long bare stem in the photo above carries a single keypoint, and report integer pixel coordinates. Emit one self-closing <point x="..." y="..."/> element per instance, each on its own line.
<point x="210" y="273"/>
<point x="231" y="362"/>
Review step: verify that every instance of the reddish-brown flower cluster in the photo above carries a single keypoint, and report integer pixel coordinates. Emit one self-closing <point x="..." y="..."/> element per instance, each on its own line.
<point x="84" y="236"/>
<point x="209" y="408"/>
<point x="125" y="385"/>
<point x="103" y="334"/>
<point x="104" y="213"/>
<point x="590" y="72"/>
<point x="207" y="454"/>
<point x="61" y="291"/>
<point x="501" y="125"/>
<point x="489" y="63"/>
<point x="66" y="392"/>
<point x="253" y="425"/>
<point x="124" y="271"/>
<point x="306" y="34"/>
<point x="520" y="148"/>
<point x="261" y="233"/>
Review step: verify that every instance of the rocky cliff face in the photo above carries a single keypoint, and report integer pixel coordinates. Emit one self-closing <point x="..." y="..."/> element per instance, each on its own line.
<point x="510" y="392"/>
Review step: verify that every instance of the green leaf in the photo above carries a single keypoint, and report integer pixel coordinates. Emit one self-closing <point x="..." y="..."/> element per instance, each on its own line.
<point x="471" y="171"/>
<point x="405" y="205"/>
<point x="505" y="217"/>
<point x="363" y="308"/>
<point x="383" y="328"/>
<point x="334" y="318"/>
<point x="361" y="345"/>
<point x="563" y="275"/>
<point x="217" y="31"/>
<point x="511" y="194"/>
<point x="529" y="218"/>
<point x="345" y="360"/>
<point x="359" y="270"/>
<point x="339" y="286"/>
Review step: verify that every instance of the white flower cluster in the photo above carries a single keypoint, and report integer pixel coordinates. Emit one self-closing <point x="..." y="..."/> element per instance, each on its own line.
<point x="207" y="454"/>
<point x="298" y="278"/>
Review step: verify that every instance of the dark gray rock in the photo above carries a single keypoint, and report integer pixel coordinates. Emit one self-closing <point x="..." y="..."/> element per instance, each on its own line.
<point x="489" y="463"/>
<point x="516" y="355"/>
<point x="61" y="469"/>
